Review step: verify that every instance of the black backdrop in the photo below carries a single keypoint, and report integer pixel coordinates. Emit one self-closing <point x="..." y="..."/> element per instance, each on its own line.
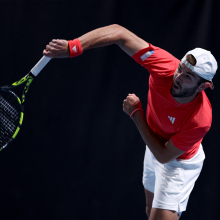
<point x="78" y="155"/>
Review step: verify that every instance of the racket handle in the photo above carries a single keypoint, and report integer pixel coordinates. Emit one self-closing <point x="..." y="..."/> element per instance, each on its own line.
<point x="40" y="65"/>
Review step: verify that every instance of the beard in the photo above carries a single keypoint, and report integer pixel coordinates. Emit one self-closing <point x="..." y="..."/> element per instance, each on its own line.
<point x="187" y="92"/>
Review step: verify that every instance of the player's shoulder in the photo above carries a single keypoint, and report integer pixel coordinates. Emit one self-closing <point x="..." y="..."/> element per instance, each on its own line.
<point x="203" y="114"/>
<point x="200" y="113"/>
<point x="205" y="102"/>
<point x="152" y="52"/>
<point x="157" y="61"/>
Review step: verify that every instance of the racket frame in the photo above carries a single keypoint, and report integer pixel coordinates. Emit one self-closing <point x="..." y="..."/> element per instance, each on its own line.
<point x="28" y="79"/>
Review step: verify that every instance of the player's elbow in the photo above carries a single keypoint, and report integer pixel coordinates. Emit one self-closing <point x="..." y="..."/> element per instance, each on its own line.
<point x="118" y="28"/>
<point x="119" y="32"/>
<point x="163" y="159"/>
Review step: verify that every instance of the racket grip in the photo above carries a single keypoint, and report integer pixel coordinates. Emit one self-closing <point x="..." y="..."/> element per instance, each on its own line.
<point x="40" y="65"/>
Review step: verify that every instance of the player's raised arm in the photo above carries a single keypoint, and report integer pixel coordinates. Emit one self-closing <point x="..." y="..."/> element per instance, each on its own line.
<point x="112" y="34"/>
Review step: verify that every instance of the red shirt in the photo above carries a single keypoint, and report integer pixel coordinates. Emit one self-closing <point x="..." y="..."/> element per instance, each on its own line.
<point x="186" y="124"/>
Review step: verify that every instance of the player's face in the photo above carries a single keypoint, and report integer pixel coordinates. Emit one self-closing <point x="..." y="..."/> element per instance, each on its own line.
<point x="185" y="82"/>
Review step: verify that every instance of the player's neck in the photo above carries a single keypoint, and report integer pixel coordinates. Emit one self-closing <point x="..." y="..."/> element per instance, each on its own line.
<point x="184" y="100"/>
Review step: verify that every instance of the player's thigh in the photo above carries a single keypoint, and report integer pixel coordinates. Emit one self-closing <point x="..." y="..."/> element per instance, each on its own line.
<point x="148" y="172"/>
<point x="163" y="214"/>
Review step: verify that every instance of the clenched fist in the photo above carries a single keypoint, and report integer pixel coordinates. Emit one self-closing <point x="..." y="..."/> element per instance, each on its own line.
<point x="131" y="103"/>
<point x="57" y="49"/>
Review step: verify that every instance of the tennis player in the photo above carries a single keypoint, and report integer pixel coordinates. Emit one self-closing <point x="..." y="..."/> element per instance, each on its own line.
<point x="179" y="113"/>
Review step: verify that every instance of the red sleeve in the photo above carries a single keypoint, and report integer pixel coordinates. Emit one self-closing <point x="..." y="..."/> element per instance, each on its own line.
<point x="156" y="60"/>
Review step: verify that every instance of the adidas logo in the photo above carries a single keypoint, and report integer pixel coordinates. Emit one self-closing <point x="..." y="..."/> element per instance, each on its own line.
<point x="74" y="48"/>
<point x="171" y="119"/>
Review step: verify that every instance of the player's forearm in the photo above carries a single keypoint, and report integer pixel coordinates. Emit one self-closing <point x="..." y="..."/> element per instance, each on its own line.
<point x="156" y="146"/>
<point x="113" y="34"/>
<point x="101" y="37"/>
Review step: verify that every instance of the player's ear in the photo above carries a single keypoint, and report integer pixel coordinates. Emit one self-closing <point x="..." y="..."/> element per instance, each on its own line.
<point x="204" y="86"/>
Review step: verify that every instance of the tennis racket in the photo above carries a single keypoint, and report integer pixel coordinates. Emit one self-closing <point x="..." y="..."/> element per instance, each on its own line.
<point x="12" y="107"/>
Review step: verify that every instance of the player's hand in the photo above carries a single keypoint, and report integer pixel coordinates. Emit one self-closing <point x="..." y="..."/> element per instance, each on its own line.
<point x="57" y="49"/>
<point x="131" y="103"/>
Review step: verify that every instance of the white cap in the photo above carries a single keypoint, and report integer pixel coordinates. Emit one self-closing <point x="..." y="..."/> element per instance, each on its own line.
<point x="206" y="65"/>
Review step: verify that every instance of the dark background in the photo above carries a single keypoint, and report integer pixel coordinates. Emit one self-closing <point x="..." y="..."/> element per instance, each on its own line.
<point x="78" y="155"/>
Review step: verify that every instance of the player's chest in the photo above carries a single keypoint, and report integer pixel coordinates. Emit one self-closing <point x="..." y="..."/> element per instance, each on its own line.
<point x="166" y="113"/>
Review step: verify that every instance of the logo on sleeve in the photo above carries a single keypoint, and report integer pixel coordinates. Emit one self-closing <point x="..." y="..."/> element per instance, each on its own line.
<point x="147" y="54"/>
<point x="74" y="48"/>
<point x="172" y="119"/>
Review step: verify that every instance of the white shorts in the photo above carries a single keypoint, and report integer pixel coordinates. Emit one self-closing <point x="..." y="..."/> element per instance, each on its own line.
<point x="172" y="182"/>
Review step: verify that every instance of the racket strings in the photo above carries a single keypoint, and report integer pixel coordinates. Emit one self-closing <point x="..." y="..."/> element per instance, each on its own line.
<point x="10" y="111"/>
